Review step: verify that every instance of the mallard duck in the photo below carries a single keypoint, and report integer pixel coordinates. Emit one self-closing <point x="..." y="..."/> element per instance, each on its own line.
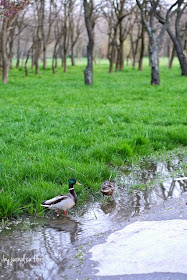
<point x="107" y="188"/>
<point x="63" y="202"/>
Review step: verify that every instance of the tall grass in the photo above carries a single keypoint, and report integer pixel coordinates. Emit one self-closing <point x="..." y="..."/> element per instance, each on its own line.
<point x="53" y="127"/>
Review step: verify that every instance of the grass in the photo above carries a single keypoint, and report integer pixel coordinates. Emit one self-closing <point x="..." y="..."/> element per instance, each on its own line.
<point x="53" y="127"/>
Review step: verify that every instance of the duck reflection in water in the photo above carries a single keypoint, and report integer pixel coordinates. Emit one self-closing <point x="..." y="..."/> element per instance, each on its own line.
<point x="108" y="207"/>
<point x="66" y="226"/>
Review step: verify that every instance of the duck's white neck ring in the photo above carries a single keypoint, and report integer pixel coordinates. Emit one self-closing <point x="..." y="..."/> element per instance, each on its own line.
<point x="71" y="189"/>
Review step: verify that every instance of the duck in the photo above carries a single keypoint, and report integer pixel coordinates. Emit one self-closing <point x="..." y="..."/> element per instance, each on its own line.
<point x="107" y="188"/>
<point x="64" y="201"/>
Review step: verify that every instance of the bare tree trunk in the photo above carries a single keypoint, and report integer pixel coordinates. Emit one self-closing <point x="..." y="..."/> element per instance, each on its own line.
<point x="121" y="67"/>
<point x="0" y="61"/>
<point x="128" y="57"/>
<point x="5" y="59"/>
<point x="155" y="78"/>
<point x="176" y="38"/>
<point x="18" y="52"/>
<point x="120" y="57"/>
<point x="140" y="68"/>
<point x="79" y="51"/>
<point x="65" y="62"/>
<point x="90" y="23"/>
<point x="182" y="56"/>
<point x="11" y="43"/>
<point x="44" y="58"/>
<point x="171" y="57"/>
<point x="26" y="61"/>
<point x="88" y="73"/>
<point x="72" y="55"/>
<point x="113" y="55"/>
<point x="5" y="71"/>
<point x="185" y="38"/>
<point x="154" y="40"/>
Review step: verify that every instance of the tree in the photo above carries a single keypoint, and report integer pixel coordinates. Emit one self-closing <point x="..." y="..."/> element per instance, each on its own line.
<point x="90" y="20"/>
<point x="155" y="40"/>
<point x="142" y="49"/>
<point x="115" y="12"/>
<point x="76" y="27"/>
<point x="135" y="34"/>
<point x="9" y="11"/>
<point x="176" y="37"/>
<point x="20" y="23"/>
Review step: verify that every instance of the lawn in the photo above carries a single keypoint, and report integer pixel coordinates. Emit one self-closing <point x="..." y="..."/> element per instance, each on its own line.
<point x="53" y="127"/>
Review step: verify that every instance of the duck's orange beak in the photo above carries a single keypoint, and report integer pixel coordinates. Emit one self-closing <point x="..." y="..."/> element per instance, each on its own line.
<point x="77" y="183"/>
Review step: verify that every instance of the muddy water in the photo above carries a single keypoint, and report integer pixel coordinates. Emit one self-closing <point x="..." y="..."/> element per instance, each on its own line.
<point x="54" y="247"/>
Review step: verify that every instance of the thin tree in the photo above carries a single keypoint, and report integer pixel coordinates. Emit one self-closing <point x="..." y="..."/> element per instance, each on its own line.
<point x="155" y="40"/>
<point x="90" y="20"/>
<point x="115" y="12"/>
<point x="9" y="11"/>
<point x="76" y="27"/>
<point x="176" y="37"/>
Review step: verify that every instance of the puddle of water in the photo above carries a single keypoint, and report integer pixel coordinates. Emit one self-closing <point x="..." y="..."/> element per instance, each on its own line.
<point x="45" y="247"/>
<point x="158" y="181"/>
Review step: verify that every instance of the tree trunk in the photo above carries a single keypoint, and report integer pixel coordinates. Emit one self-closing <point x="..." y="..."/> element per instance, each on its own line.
<point x="18" y="52"/>
<point x="90" y="23"/>
<point x="5" y="71"/>
<point x="120" y="57"/>
<point x="72" y="55"/>
<point x="180" y="53"/>
<point x="37" y="67"/>
<point x="79" y="52"/>
<point x="65" y="62"/>
<point x="0" y="62"/>
<point x="88" y="72"/>
<point x="5" y="59"/>
<point x="44" y="58"/>
<point x="140" y="67"/>
<point x="171" y="57"/>
<point x="155" y="77"/>
<point x="113" y="56"/>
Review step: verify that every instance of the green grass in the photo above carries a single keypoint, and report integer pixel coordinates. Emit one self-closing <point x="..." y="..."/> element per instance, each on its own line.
<point x="53" y="127"/>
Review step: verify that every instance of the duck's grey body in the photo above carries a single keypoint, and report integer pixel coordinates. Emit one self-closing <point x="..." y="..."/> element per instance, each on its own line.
<point x="60" y="202"/>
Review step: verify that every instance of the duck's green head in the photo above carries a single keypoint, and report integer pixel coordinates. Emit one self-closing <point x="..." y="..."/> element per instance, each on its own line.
<point x="74" y="182"/>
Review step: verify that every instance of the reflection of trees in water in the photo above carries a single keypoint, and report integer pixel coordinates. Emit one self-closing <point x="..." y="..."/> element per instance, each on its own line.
<point x="23" y="246"/>
<point x="51" y="243"/>
<point x="59" y="235"/>
<point x="160" y="175"/>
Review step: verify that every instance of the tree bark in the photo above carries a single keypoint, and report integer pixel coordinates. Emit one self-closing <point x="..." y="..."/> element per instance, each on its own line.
<point x="154" y="40"/>
<point x="90" y="23"/>
<point x="181" y="54"/>
<point x="72" y="55"/>
<point x="5" y="59"/>
<point x="18" y="52"/>
<point x="44" y="58"/>
<point x="155" y="77"/>
<point x="140" y="67"/>
<point x="171" y="57"/>
<point x="112" y="57"/>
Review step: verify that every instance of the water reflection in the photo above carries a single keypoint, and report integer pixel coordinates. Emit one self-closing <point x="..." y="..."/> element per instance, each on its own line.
<point x="37" y="252"/>
<point x="160" y="181"/>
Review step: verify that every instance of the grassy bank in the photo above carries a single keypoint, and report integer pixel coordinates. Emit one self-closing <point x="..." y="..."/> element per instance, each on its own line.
<point x="53" y="127"/>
